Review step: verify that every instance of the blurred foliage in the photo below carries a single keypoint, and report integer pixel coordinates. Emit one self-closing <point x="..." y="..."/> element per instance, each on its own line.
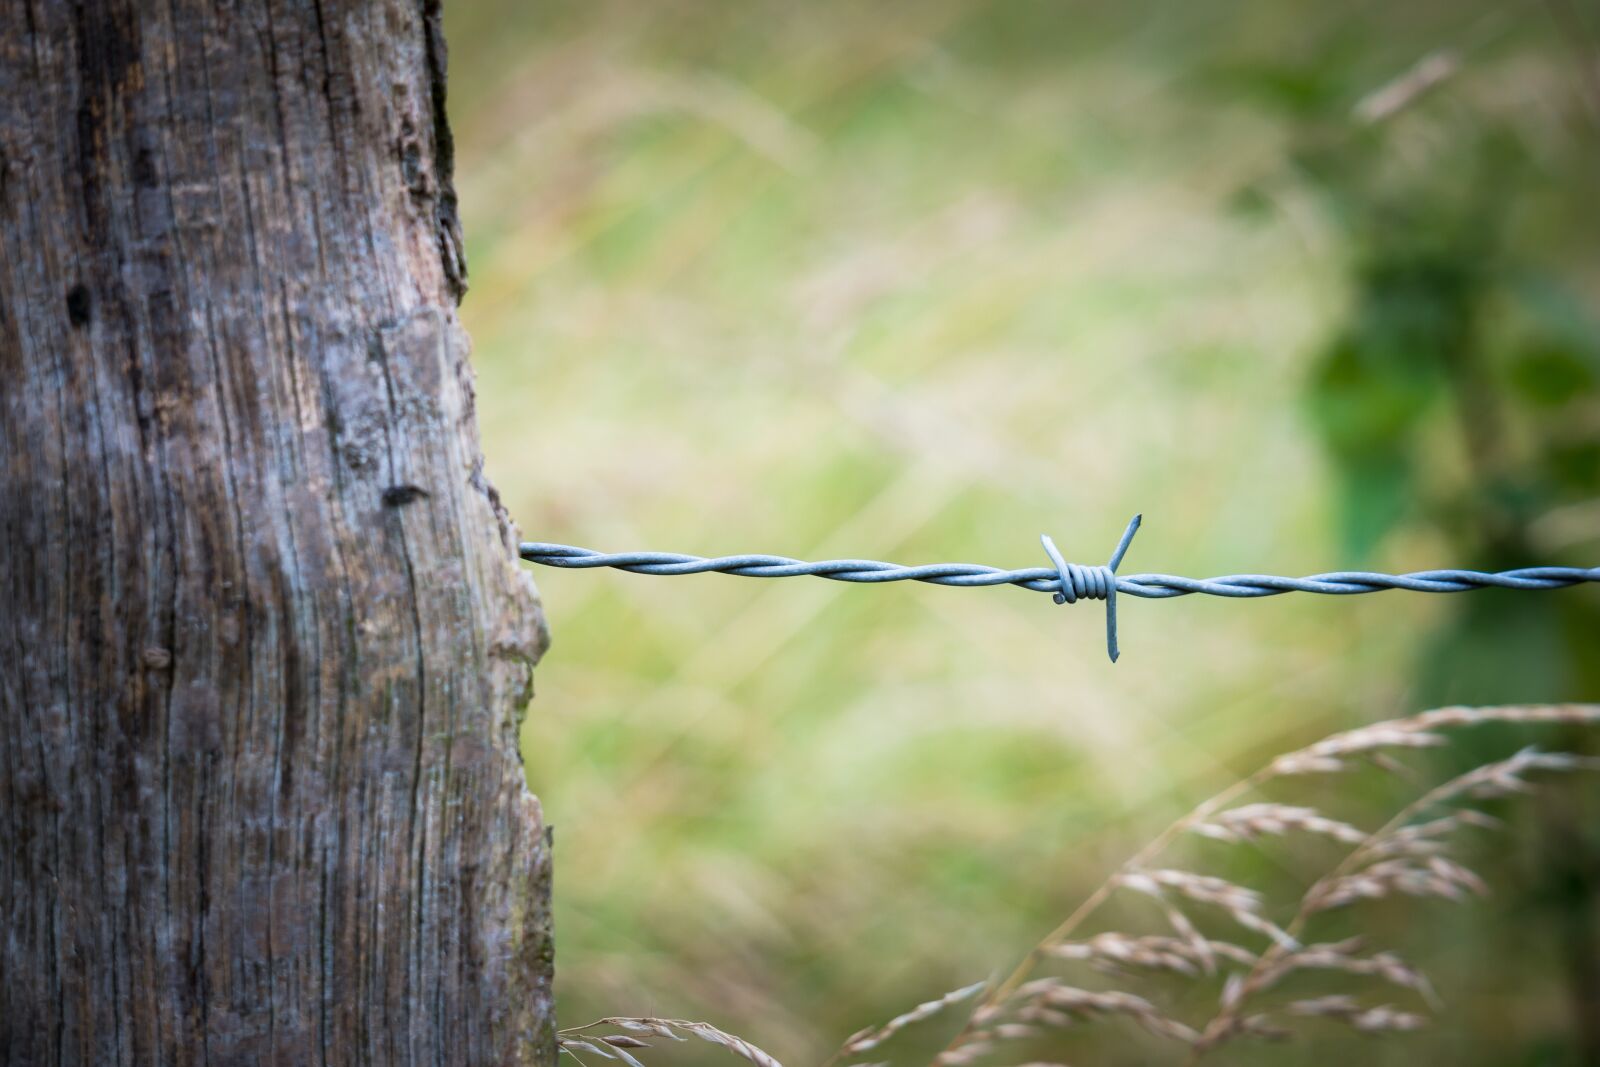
<point x="1447" y="318"/>
<point x="917" y="281"/>
<point x="1462" y="335"/>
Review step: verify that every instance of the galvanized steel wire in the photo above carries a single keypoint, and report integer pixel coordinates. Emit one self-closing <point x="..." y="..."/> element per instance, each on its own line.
<point x="1066" y="582"/>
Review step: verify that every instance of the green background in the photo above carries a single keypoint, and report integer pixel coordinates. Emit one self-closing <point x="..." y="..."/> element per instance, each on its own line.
<point x="919" y="281"/>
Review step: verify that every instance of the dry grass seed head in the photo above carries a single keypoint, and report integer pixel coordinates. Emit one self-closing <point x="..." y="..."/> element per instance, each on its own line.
<point x="1242" y="905"/>
<point x="1252" y="821"/>
<point x="1425" y="838"/>
<point x="1342" y="956"/>
<point x="1333" y="753"/>
<point x="1433" y="876"/>
<point x="1368" y="1020"/>
<point x="1119" y="953"/>
<point x="669" y="1028"/>
<point x="1079" y="1005"/>
<point x="871" y="1038"/>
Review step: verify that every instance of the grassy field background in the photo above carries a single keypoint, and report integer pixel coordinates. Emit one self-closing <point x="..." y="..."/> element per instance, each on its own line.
<point x="917" y="282"/>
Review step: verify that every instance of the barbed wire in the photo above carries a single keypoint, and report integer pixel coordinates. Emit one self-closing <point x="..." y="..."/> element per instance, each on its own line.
<point x="1066" y="582"/>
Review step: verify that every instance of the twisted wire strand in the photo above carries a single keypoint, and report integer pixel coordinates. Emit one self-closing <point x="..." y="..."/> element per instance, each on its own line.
<point x="1066" y="582"/>
<point x="1046" y="579"/>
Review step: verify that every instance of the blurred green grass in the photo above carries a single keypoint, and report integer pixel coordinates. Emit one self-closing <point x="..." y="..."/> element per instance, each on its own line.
<point x="917" y="282"/>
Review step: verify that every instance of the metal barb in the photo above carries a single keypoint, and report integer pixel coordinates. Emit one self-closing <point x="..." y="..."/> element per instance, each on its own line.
<point x="1093" y="583"/>
<point x="1066" y="582"/>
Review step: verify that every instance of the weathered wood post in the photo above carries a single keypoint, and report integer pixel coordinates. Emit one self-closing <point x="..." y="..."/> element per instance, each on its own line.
<point x="264" y="642"/>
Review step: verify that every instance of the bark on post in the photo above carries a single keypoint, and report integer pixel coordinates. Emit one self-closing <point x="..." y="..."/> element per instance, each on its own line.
<point x="264" y="645"/>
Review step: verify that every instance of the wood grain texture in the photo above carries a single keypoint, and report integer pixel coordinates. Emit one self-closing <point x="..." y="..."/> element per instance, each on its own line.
<point x="264" y="645"/>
